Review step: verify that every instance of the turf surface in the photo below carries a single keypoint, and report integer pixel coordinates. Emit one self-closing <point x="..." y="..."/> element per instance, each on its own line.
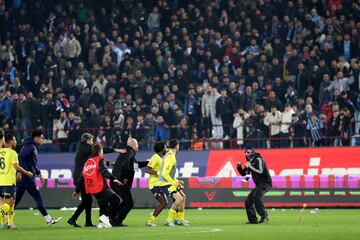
<point x="205" y="224"/>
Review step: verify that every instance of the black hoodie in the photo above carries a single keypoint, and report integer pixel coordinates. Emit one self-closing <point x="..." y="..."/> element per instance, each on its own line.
<point x="258" y="169"/>
<point x="28" y="158"/>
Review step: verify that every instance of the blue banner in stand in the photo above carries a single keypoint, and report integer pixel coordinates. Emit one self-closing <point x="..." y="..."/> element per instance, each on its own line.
<point x="61" y="165"/>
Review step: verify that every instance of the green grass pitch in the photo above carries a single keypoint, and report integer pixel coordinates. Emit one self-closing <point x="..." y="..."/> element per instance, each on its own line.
<point x="205" y="224"/>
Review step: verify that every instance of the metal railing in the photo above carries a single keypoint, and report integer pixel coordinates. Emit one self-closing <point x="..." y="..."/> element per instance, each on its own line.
<point x="195" y="141"/>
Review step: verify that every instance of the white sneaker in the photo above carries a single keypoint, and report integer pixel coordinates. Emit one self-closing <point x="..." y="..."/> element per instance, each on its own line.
<point x="105" y="220"/>
<point x="101" y="225"/>
<point x="54" y="221"/>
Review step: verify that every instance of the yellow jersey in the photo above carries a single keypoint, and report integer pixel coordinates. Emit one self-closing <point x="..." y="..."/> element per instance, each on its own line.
<point x="168" y="169"/>
<point x="155" y="164"/>
<point x="8" y="158"/>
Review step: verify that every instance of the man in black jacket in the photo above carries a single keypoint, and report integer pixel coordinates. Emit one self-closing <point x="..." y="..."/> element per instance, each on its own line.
<point x="83" y="153"/>
<point x="124" y="170"/>
<point x="225" y="110"/>
<point x="262" y="179"/>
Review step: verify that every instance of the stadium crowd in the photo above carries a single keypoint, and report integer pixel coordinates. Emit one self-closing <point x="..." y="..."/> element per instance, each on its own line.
<point x="211" y="73"/>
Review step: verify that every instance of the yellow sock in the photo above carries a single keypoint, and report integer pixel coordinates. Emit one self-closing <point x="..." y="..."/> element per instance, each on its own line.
<point x="4" y="209"/>
<point x="2" y="219"/>
<point x="171" y="216"/>
<point x="152" y="219"/>
<point x="180" y="216"/>
<point x="11" y="215"/>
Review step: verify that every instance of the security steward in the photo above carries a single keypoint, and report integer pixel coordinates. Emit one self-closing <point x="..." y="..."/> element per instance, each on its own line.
<point x="124" y="170"/>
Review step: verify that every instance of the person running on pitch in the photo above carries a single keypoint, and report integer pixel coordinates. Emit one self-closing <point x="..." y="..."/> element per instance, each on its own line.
<point x="260" y="174"/>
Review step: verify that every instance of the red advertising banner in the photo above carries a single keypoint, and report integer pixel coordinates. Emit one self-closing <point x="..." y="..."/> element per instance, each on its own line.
<point x="291" y="162"/>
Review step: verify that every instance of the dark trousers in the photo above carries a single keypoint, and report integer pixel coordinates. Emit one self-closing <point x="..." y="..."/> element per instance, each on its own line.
<point x="63" y="144"/>
<point x="255" y="198"/>
<point x="109" y="202"/>
<point x="127" y="202"/>
<point x="227" y="123"/>
<point x="285" y="141"/>
<point x="34" y="192"/>
<point x="207" y="127"/>
<point x="275" y="141"/>
<point x="319" y="143"/>
<point x="86" y="204"/>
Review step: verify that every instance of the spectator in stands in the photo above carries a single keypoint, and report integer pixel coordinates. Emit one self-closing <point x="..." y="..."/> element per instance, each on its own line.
<point x="316" y="126"/>
<point x="72" y="48"/>
<point x="297" y="132"/>
<point x="161" y="130"/>
<point x="273" y="101"/>
<point x="10" y="73"/>
<point x="345" y="125"/>
<point x="333" y="131"/>
<point x="156" y="51"/>
<point x="273" y="121"/>
<point x="324" y="93"/>
<point x="340" y="82"/>
<point x="225" y="110"/>
<point x="212" y="122"/>
<point x="238" y="124"/>
<point x="6" y="106"/>
<point x="60" y="134"/>
<point x="184" y="134"/>
<point x="192" y="108"/>
<point x="73" y="130"/>
<point x="169" y="118"/>
<point x="286" y="118"/>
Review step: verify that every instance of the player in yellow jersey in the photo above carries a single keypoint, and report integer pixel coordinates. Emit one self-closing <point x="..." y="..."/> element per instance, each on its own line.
<point x="169" y="185"/>
<point x="8" y="166"/>
<point x="180" y="219"/>
<point x="153" y="169"/>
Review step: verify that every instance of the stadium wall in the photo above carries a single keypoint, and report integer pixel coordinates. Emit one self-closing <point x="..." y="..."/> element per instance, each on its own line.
<point x="321" y="177"/>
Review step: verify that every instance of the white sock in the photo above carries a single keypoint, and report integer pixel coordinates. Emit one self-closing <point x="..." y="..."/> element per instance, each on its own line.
<point x="47" y="218"/>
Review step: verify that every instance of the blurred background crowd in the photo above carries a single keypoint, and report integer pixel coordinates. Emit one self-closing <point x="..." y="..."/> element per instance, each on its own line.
<point x="215" y="74"/>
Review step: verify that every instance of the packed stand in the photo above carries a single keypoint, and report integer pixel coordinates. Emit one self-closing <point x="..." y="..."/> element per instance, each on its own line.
<point x="211" y="73"/>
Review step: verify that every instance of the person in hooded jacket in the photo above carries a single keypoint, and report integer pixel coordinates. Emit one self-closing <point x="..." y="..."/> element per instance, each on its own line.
<point x="28" y="158"/>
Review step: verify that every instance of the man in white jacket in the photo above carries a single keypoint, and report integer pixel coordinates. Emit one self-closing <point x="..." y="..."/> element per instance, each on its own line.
<point x="273" y="120"/>
<point x="238" y="124"/>
<point x="286" y="117"/>
<point x="340" y="82"/>
<point x="208" y="110"/>
<point x="72" y="48"/>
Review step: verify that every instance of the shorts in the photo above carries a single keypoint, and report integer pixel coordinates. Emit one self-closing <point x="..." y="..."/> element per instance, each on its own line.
<point x="155" y="190"/>
<point x="167" y="190"/>
<point x="8" y="192"/>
